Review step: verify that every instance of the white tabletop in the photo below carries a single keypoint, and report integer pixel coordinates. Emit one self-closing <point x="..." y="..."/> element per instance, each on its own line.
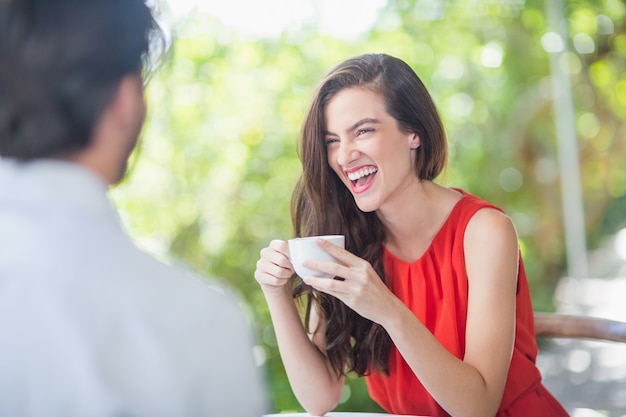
<point x="339" y="414"/>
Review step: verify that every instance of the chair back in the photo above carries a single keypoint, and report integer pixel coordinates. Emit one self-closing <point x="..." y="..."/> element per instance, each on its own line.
<point x="554" y="325"/>
<point x="583" y="362"/>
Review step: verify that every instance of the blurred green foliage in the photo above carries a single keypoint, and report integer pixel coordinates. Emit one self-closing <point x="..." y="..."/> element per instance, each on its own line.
<point x="218" y="156"/>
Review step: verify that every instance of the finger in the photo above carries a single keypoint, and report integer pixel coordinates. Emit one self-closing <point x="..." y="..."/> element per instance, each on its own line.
<point x="277" y="257"/>
<point x="267" y="273"/>
<point x="332" y="287"/>
<point x="332" y="268"/>
<point x="275" y="263"/>
<point x="339" y="253"/>
<point x="266" y="279"/>
<point x="280" y="246"/>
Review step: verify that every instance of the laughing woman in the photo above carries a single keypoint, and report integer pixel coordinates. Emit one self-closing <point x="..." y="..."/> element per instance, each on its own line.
<point x="430" y="302"/>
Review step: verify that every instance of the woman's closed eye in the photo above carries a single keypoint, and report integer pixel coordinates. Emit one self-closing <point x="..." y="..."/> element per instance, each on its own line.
<point x="361" y="132"/>
<point x="330" y="140"/>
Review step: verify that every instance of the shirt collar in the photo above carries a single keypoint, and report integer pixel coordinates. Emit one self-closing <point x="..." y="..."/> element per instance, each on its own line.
<point x="50" y="183"/>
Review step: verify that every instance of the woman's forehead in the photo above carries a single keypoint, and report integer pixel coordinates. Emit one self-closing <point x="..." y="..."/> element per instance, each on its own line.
<point x="353" y="104"/>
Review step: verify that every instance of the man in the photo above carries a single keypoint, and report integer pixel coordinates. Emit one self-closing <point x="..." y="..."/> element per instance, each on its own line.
<point x="89" y="325"/>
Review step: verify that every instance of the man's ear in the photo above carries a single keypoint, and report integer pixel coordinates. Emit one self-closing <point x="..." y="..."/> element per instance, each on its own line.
<point x="128" y="101"/>
<point x="116" y="131"/>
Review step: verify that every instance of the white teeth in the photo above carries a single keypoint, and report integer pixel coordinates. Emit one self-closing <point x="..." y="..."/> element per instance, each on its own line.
<point x="361" y="173"/>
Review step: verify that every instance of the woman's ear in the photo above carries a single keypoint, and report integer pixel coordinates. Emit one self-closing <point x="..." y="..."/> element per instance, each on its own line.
<point x="415" y="141"/>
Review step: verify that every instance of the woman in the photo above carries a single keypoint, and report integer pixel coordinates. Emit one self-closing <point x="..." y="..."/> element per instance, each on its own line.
<point x="430" y="301"/>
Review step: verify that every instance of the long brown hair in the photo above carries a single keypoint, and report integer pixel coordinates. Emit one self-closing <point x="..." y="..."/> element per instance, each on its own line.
<point x="321" y="204"/>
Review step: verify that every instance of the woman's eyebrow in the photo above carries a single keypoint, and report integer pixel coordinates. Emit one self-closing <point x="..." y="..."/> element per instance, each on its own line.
<point x="354" y="126"/>
<point x="362" y="122"/>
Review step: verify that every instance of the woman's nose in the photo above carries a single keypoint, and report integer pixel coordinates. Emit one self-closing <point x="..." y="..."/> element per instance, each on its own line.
<point x="347" y="154"/>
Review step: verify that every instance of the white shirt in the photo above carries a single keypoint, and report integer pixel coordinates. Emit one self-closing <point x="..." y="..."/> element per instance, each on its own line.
<point x="90" y="326"/>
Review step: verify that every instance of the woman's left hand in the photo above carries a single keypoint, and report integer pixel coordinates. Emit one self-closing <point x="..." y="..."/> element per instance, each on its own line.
<point x="358" y="286"/>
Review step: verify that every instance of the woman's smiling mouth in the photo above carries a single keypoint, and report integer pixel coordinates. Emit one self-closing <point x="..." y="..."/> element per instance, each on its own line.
<point x="362" y="178"/>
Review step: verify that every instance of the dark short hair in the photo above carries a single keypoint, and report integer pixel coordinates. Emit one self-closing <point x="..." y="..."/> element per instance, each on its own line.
<point x="60" y="63"/>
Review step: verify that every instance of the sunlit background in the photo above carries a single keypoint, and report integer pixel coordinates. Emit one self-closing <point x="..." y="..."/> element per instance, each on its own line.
<point x="269" y="19"/>
<point x="521" y="85"/>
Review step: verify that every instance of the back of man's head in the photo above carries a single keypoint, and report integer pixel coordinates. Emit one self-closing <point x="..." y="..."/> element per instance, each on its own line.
<point x="60" y="64"/>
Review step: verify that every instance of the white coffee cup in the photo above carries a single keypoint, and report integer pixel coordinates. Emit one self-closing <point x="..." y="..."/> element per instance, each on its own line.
<point x="302" y="248"/>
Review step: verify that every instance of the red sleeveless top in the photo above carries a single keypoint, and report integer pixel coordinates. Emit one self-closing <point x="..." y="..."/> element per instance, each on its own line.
<point x="435" y="288"/>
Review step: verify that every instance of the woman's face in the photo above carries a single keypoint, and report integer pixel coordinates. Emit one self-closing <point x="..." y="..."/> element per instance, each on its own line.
<point x="367" y="150"/>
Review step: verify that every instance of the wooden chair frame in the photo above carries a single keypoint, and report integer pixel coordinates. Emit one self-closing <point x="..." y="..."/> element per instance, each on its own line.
<point x="553" y="325"/>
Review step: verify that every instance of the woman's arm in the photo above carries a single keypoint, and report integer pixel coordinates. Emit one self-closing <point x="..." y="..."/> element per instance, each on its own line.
<point x="474" y="385"/>
<point x="316" y="386"/>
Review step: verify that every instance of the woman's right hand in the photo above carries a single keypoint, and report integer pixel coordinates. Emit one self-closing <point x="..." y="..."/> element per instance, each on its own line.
<point x="316" y="386"/>
<point x="274" y="269"/>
